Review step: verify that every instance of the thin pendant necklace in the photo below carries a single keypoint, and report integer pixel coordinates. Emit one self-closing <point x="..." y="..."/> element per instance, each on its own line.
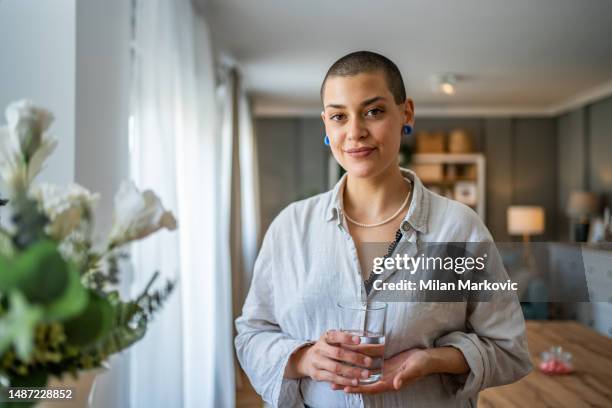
<point x="378" y="224"/>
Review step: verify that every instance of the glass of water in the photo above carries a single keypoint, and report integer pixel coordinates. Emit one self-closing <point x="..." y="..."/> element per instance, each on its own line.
<point x="367" y="321"/>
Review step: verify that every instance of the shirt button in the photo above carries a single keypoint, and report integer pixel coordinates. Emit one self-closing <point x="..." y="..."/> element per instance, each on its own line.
<point x="405" y="226"/>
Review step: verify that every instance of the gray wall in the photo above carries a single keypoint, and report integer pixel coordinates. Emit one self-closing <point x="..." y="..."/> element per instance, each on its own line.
<point x="292" y="162"/>
<point x="572" y="164"/>
<point x="599" y="147"/>
<point x="499" y="186"/>
<point x="101" y="145"/>
<point x="534" y="174"/>
<point x="585" y="154"/>
<point x="102" y="100"/>
<point x="521" y="165"/>
<point x="38" y="48"/>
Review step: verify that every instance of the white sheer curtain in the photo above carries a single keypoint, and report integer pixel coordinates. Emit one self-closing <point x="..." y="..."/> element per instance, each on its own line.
<point x="249" y="185"/>
<point x="238" y="188"/>
<point x="186" y="358"/>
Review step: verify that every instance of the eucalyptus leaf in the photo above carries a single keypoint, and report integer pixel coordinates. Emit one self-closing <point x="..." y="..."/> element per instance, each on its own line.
<point x="41" y="273"/>
<point x="72" y="302"/>
<point x="7" y="278"/>
<point x="92" y="324"/>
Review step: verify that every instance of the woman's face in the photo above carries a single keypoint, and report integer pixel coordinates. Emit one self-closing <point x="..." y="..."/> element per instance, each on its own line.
<point x="363" y="122"/>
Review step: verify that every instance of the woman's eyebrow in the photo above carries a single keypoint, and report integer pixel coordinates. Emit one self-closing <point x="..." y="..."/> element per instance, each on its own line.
<point x="371" y="100"/>
<point x="335" y="106"/>
<point x="364" y="103"/>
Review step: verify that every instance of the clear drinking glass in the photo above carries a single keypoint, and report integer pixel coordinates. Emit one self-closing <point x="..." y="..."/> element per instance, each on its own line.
<point x="366" y="320"/>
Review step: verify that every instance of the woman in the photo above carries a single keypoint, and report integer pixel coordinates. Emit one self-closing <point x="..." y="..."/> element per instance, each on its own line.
<point x="436" y="354"/>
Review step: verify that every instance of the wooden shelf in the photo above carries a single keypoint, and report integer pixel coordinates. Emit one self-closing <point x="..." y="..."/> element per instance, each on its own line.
<point x="449" y="158"/>
<point x="450" y="182"/>
<point x="458" y="160"/>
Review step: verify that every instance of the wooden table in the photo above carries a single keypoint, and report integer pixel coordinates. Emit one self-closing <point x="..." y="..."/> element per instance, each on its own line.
<point x="589" y="386"/>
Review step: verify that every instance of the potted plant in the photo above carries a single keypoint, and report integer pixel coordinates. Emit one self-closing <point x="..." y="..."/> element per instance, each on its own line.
<point x="60" y="308"/>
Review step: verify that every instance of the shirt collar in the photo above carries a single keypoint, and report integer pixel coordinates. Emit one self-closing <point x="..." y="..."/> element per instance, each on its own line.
<point x="418" y="208"/>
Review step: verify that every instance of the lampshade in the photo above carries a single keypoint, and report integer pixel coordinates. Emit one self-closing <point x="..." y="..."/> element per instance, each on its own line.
<point x="582" y="203"/>
<point x="525" y="220"/>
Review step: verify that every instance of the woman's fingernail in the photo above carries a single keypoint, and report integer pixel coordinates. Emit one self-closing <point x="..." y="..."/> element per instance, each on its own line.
<point x="367" y="361"/>
<point x="354" y="382"/>
<point x="365" y="374"/>
<point x="355" y="339"/>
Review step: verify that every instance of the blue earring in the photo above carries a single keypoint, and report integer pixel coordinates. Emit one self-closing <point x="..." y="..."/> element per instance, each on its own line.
<point x="407" y="129"/>
<point x="326" y="140"/>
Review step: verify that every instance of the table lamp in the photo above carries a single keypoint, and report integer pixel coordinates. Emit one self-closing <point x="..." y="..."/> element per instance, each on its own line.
<point x="580" y="206"/>
<point x="526" y="221"/>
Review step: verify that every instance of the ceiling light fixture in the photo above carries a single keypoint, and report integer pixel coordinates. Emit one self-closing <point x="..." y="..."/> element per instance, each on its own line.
<point x="444" y="83"/>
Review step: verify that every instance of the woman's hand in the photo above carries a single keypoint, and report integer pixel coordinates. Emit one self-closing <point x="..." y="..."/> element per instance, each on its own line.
<point x="399" y="370"/>
<point x="411" y="365"/>
<point x="327" y="360"/>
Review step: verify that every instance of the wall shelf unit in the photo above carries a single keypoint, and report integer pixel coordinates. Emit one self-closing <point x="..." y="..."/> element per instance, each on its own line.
<point x="457" y="176"/>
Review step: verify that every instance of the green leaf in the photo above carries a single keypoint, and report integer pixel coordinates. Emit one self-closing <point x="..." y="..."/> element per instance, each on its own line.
<point x="6" y="276"/>
<point x="41" y="273"/>
<point x="6" y="244"/>
<point x="72" y="302"/>
<point x="92" y="324"/>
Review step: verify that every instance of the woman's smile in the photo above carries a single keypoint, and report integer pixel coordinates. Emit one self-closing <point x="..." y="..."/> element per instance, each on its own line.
<point x="360" y="152"/>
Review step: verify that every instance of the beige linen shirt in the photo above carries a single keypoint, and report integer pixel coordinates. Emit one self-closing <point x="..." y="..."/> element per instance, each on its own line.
<point x="308" y="261"/>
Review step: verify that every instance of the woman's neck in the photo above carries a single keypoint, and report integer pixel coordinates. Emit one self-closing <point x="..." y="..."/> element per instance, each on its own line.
<point x="372" y="199"/>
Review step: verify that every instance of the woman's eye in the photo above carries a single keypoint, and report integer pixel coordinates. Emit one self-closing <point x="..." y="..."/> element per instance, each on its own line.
<point x="337" y="116"/>
<point x="374" y="112"/>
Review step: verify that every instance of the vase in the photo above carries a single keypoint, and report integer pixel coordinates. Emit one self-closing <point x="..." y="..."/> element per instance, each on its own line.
<point x="83" y="388"/>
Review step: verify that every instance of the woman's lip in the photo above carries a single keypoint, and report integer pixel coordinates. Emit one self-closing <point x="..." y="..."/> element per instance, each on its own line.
<point x="360" y="151"/>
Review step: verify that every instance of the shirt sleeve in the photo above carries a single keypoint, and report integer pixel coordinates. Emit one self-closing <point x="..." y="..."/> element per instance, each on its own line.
<point x="494" y="344"/>
<point x="263" y="349"/>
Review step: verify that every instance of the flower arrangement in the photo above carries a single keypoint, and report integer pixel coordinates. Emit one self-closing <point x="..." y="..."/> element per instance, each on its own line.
<point x="60" y="308"/>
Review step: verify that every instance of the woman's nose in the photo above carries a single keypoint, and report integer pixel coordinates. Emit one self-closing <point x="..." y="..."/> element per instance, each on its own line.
<point x="356" y="130"/>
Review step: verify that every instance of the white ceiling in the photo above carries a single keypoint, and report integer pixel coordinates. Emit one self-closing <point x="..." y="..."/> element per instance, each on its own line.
<point x="516" y="56"/>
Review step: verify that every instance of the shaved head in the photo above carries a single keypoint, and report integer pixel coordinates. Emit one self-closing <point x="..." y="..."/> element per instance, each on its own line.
<point x="367" y="62"/>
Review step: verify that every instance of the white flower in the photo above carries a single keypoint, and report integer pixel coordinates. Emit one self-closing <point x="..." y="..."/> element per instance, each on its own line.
<point x="24" y="143"/>
<point x="66" y="207"/>
<point x="137" y="215"/>
<point x="12" y="166"/>
<point x="28" y="123"/>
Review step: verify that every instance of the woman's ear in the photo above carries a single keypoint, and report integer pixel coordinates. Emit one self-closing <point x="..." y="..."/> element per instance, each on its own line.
<point x="323" y="118"/>
<point x="409" y="111"/>
<point x="324" y="124"/>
